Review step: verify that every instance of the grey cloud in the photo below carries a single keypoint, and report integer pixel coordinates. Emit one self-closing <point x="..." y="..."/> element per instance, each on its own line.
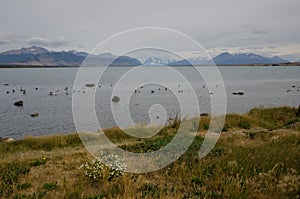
<point x="251" y="48"/>
<point x="7" y="37"/>
<point x="292" y="57"/>
<point x="47" y="42"/>
<point x="4" y="42"/>
<point x="261" y="30"/>
<point x="211" y="23"/>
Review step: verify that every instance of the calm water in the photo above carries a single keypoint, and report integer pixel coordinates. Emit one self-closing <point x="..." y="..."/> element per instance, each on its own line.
<point x="263" y="86"/>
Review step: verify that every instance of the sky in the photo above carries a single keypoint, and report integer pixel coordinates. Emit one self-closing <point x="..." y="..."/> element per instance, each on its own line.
<point x="266" y="27"/>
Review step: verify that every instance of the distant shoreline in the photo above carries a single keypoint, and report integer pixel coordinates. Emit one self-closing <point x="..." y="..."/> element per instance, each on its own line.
<point x="241" y="65"/>
<point x="35" y="66"/>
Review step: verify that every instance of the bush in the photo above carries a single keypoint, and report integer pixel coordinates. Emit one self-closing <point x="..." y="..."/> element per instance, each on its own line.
<point x="298" y="111"/>
<point x="196" y="181"/>
<point x="251" y="135"/>
<point x="38" y="162"/>
<point x="50" y="186"/>
<point x="244" y="124"/>
<point x="150" y="189"/>
<point x="24" y="186"/>
<point x="176" y="122"/>
<point x="225" y="128"/>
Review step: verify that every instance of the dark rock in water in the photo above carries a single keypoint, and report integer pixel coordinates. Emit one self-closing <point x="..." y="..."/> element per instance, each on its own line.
<point x="66" y="88"/>
<point x="152" y="91"/>
<point x="36" y="88"/>
<point x="6" y="84"/>
<point x="34" y="114"/>
<point x="18" y="103"/>
<point x="7" y="92"/>
<point x="204" y="114"/>
<point x="24" y="92"/>
<point x="238" y="93"/>
<point x="166" y="89"/>
<point x="90" y="85"/>
<point x="6" y="139"/>
<point x="13" y="91"/>
<point x="293" y="86"/>
<point x="115" y="99"/>
<point x="50" y="93"/>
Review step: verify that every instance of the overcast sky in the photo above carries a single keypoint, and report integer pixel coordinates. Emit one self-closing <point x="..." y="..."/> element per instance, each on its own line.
<point x="268" y="27"/>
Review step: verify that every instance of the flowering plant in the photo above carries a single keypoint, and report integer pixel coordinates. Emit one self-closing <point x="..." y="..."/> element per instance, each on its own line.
<point x="93" y="169"/>
<point x="107" y="165"/>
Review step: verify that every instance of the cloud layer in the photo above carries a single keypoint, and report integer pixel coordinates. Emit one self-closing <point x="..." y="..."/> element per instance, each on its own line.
<point x="47" y="42"/>
<point x="229" y="24"/>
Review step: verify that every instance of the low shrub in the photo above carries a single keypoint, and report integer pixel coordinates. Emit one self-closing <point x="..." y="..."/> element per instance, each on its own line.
<point x="149" y="190"/>
<point x="49" y="186"/>
<point x="38" y="162"/>
<point x="23" y="186"/>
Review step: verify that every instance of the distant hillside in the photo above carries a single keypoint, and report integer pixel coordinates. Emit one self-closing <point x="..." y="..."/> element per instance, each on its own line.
<point x="37" y="56"/>
<point x="233" y="59"/>
<point x="246" y="58"/>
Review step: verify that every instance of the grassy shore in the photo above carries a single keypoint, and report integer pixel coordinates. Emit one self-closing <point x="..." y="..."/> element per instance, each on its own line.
<point x="257" y="156"/>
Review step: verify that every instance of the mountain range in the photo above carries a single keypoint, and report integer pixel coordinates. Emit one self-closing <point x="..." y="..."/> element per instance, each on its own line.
<point x="38" y="56"/>
<point x="232" y="59"/>
<point x="246" y="58"/>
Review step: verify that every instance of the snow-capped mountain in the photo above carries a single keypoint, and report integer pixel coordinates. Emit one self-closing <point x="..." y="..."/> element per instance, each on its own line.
<point x="31" y="50"/>
<point x="155" y="61"/>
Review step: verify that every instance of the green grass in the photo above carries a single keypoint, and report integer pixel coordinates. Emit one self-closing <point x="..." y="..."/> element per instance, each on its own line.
<point x="46" y="143"/>
<point x="49" y="186"/>
<point x="268" y="118"/>
<point x="274" y="118"/>
<point x="24" y="186"/>
<point x="9" y="176"/>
